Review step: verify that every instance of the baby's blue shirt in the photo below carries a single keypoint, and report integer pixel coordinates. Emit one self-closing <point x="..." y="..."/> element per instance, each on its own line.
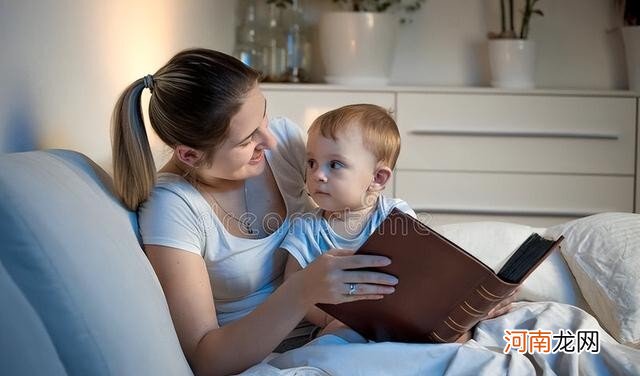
<point x="310" y="234"/>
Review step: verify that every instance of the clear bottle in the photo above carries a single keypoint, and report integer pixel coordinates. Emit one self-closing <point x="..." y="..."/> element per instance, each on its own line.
<point x="247" y="47"/>
<point x="274" y="52"/>
<point x="298" y="45"/>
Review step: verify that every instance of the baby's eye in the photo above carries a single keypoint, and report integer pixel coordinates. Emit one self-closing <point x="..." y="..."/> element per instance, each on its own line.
<point x="336" y="164"/>
<point x="311" y="163"/>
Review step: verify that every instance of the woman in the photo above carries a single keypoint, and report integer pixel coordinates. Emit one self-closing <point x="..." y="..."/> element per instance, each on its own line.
<point x="213" y="217"/>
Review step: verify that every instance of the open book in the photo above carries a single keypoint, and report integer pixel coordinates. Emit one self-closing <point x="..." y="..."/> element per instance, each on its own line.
<point x="443" y="290"/>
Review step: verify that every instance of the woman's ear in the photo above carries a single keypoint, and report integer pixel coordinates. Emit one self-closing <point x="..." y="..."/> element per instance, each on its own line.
<point x="188" y="155"/>
<point x="381" y="176"/>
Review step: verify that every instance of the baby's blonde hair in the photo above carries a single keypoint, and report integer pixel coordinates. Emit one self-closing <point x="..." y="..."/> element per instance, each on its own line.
<point x="379" y="130"/>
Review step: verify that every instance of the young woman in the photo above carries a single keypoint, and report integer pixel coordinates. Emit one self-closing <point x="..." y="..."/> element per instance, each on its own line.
<point x="213" y="217"/>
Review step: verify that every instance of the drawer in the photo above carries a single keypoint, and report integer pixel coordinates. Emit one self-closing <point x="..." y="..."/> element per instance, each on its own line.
<point x="304" y="106"/>
<point x="533" y="195"/>
<point x="435" y="219"/>
<point x="517" y="133"/>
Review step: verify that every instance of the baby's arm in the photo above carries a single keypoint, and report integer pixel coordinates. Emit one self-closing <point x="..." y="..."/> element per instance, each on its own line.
<point x="315" y="315"/>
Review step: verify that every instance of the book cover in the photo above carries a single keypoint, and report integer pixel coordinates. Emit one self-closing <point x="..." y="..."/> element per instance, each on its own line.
<point x="443" y="290"/>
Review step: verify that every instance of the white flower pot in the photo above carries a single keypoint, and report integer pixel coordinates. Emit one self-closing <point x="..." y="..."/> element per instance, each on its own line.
<point x="512" y="63"/>
<point x="357" y="47"/>
<point x="631" y="37"/>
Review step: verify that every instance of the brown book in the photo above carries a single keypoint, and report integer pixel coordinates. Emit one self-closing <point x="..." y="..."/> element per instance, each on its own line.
<point x="443" y="290"/>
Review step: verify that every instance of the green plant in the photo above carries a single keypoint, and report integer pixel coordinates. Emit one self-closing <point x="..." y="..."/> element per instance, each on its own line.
<point x="510" y="33"/>
<point x="379" y="5"/>
<point x="281" y="3"/>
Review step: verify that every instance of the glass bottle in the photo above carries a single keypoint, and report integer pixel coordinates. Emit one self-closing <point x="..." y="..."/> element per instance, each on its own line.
<point x="274" y="52"/>
<point x="298" y="46"/>
<point x="247" y="47"/>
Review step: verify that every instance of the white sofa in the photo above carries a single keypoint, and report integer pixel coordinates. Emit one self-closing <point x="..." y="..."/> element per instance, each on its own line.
<point x="77" y="294"/>
<point x="79" y="297"/>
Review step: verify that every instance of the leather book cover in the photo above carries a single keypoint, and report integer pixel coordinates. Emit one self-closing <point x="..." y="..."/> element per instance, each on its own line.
<point x="443" y="290"/>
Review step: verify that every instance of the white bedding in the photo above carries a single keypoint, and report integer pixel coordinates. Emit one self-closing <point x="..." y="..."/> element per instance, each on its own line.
<point x="483" y="355"/>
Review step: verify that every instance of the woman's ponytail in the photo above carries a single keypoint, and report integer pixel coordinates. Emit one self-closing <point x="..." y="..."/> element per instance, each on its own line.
<point x="134" y="172"/>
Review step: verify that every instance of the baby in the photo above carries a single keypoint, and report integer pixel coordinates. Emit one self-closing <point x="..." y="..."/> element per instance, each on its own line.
<point x="351" y="153"/>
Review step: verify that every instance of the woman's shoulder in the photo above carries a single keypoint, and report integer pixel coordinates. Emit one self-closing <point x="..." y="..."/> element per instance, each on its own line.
<point x="172" y="215"/>
<point x="285" y="128"/>
<point x="291" y="144"/>
<point x="172" y="191"/>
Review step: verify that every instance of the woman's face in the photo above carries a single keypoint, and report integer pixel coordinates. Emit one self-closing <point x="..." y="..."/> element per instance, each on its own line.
<point x="241" y="155"/>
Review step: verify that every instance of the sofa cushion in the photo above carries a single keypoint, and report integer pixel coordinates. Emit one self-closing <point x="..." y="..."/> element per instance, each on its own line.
<point x="72" y="249"/>
<point x="603" y="252"/>
<point x="25" y="345"/>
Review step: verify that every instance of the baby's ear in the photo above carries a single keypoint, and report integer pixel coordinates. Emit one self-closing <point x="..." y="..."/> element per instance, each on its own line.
<point x="381" y="176"/>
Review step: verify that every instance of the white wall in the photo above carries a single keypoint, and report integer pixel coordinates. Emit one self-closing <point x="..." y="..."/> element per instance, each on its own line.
<point x="64" y="62"/>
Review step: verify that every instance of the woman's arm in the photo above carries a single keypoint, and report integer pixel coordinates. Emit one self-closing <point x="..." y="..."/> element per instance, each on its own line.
<point x="212" y="350"/>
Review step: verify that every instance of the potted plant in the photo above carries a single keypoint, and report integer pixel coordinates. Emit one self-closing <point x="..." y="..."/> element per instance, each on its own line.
<point x="357" y="41"/>
<point x="630" y="11"/>
<point x="511" y="53"/>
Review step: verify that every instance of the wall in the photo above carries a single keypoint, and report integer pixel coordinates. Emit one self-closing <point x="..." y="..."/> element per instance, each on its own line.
<point x="64" y="62"/>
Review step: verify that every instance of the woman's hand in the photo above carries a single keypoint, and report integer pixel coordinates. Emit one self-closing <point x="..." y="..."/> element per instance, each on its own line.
<point x="327" y="280"/>
<point x="504" y="306"/>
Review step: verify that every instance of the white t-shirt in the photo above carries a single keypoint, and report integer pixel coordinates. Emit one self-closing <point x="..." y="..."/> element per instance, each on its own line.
<point x="243" y="272"/>
<point x="311" y="235"/>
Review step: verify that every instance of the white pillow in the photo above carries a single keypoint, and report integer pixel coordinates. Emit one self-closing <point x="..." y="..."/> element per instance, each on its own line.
<point x="603" y="252"/>
<point x="493" y="243"/>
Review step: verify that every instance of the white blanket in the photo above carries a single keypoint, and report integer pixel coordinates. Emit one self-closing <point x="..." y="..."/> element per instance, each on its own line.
<point x="483" y="355"/>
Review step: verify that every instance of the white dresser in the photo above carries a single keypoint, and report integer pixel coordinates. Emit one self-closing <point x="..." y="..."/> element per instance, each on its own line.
<point x="535" y="157"/>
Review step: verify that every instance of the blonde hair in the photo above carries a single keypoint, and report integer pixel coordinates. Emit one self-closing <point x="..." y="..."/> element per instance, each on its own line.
<point x="193" y="98"/>
<point x="379" y="131"/>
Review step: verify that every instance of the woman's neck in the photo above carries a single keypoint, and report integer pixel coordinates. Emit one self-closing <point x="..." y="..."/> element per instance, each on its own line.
<point x="215" y="184"/>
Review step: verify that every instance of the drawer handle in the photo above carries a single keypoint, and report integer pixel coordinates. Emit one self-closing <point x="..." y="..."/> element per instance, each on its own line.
<point x="506" y="211"/>
<point x="517" y="133"/>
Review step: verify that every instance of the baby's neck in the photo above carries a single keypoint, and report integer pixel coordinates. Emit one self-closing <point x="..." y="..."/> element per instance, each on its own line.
<point x="349" y="223"/>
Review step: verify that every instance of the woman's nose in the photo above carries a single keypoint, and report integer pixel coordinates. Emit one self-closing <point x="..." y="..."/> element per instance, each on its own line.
<point x="268" y="140"/>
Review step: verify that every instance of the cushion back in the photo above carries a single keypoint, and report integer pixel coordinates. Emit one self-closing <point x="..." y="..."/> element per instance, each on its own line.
<point x="72" y="249"/>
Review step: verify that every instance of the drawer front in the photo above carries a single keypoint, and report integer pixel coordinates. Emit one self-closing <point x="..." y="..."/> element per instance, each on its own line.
<point x="303" y="106"/>
<point x="533" y="195"/>
<point x="517" y="133"/>
<point x="434" y="219"/>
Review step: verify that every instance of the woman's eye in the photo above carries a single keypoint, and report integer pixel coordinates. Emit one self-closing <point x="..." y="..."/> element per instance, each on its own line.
<point x="311" y="163"/>
<point x="335" y="164"/>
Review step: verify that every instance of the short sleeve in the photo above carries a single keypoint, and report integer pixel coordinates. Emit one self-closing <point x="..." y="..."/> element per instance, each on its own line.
<point x="300" y="243"/>
<point x="168" y="220"/>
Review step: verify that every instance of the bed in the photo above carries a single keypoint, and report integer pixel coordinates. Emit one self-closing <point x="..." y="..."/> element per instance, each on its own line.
<point x="577" y="314"/>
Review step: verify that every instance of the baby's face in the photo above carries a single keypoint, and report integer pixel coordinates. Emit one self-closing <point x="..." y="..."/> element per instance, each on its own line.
<point x="339" y="172"/>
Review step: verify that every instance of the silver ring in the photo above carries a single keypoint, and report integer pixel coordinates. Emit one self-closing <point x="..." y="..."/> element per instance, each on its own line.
<point x="352" y="289"/>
